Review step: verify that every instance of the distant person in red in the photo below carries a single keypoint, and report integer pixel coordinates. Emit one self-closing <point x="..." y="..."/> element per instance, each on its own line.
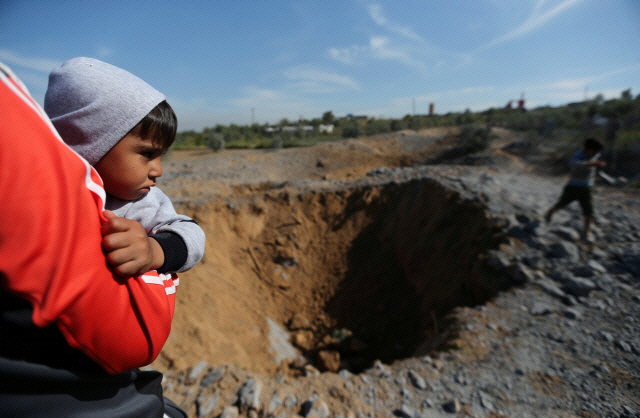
<point x="72" y="332"/>
<point x="583" y="166"/>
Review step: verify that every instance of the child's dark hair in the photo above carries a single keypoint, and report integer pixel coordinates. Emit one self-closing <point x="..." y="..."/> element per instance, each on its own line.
<point x="160" y="125"/>
<point x="592" y="144"/>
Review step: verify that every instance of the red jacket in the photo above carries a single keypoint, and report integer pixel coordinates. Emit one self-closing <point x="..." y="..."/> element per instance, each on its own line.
<point x="50" y="245"/>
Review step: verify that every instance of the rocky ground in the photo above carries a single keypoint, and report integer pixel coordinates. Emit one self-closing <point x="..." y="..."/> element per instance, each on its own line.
<point x="551" y="329"/>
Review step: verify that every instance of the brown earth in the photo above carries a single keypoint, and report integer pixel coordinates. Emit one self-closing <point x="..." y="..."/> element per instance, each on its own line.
<point x="279" y="251"/>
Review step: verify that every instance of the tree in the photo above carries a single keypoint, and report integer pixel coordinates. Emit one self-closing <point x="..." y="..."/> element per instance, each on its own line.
<point x="352" y="130"/>
<point x="214" y="140"/>
<point x="327" y="118"/>
<point x="283" y="122"/>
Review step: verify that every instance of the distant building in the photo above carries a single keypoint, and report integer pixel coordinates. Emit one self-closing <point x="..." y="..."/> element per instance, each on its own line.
<point x="291" y="128"/>
<point x="579" y="104"/>
<point x="325" y="129"/>
<point x="354" y="117"/>
<point x="521" y="103"/>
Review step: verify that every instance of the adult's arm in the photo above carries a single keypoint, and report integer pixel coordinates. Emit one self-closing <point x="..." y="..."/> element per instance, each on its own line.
<point x="50" y="244"/>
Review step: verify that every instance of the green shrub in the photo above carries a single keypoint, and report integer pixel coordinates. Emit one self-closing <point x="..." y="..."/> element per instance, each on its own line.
<point x="214" y="140"/>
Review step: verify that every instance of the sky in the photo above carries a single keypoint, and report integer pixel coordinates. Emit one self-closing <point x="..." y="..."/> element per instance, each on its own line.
<point x="261" y="61"/>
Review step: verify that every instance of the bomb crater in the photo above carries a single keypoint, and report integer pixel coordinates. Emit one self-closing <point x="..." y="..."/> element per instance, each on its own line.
<point x="353" y="274"/>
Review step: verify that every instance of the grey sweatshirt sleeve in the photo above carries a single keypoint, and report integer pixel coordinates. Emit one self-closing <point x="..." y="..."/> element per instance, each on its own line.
<point x="156" y="214"/>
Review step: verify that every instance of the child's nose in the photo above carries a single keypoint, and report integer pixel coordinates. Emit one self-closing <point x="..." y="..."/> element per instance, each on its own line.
<point x="156" y="169"/>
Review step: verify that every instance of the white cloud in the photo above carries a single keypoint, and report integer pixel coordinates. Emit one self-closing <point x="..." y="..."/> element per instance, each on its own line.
<point x="315" y="80"/>
<point x="345" y="55"/>
<point x="254" y="96"/>
<point x="379" y="48"/>
<point x="34" y="63"/>
<point x="396" y="43"/>
<point x="540" y="15"/>
<point x="376" y="13"/>
<point x="581" y="83"/>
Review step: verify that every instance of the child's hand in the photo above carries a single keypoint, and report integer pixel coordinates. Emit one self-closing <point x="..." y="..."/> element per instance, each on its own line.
<point x="128" y="248"/>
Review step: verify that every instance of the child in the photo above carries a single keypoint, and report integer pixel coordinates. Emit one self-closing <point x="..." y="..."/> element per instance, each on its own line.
<point x="122" y="126"/>
<point x="583" y="167"/>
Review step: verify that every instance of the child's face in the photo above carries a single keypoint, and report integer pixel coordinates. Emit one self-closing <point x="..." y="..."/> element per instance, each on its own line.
<point x="130" y="169"/>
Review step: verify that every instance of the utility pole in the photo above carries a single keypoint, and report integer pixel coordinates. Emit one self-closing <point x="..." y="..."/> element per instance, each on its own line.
<point x="414" y="106"/>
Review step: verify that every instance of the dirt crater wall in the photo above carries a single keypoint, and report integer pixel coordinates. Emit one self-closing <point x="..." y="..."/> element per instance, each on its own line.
<point x="353" y="274"/>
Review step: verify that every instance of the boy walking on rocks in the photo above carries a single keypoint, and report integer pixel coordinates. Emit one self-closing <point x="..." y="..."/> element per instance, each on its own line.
<point x="583" y="166"/>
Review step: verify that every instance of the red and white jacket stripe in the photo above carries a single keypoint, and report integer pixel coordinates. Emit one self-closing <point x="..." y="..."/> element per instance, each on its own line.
<point x="50" y="244"/>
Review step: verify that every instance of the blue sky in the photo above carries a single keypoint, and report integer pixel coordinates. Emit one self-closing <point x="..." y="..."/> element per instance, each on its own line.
<point x="262" y="61"/>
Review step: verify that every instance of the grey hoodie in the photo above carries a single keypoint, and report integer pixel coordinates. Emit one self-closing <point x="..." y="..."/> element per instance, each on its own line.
<point x="93" y="105"/>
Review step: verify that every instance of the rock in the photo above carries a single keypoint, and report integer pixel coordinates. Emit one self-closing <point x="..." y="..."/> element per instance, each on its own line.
<point x="551" y="288"/>
<point x="566" y="233"/>
<point x="533" y="227"/>
<point x="274" y="403"/>
<point x="307" y="405"/>
<point x="249" y="395"/>
<point x="417" y="380"/>
<point x="319" y="410"/>
<point x="564" y="250"/>
<point x="329" y="360"/>
<point x="540" y="308"/>
<point x="453" y="406"/>
<point x="535" y="262"/>
<point x="345" y="374"/>
<point x="498" y="261"/>
<point x="406" y="411"/>
<point x="578" y="286"/>
<point x="583" y="271"/>
<point x="230" y="412"/>
<point x="624" y="346"/>
<point x="279" y="343"/>
<point x="196" y="372"/>
<point x="382" y="370"/>
<point x="606" y="336"/>
<point x="486" y="401"/>
<point x="310" y="371"/>
<point x="212" y="377"/>
<point x="204" y="407"/>
<point x="571" y="313"/>
<point x="299" y="321"/>
<point x="303" y="340"/>
<point x="520" y="273"/>
<point x="605" y="283"/>
<point x="597" y="267"/>
<point x="290" y="401"/>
